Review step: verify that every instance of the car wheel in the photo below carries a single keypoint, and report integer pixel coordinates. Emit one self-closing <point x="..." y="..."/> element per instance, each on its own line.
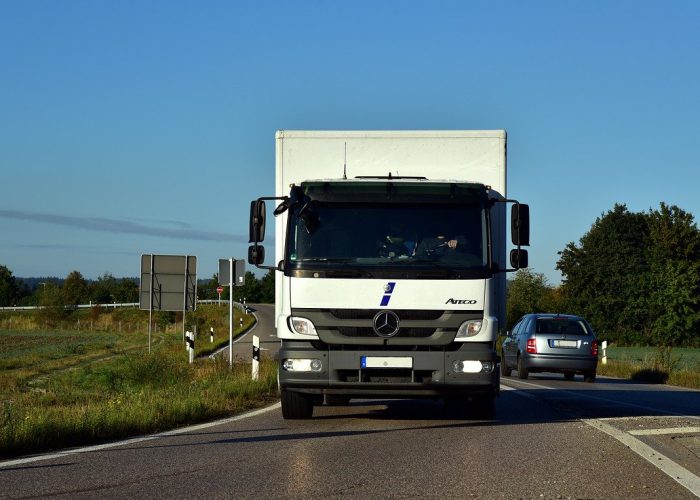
<point x="589" y="376"/>
<point x="296" y="406"/>
<point x="569" y="375"/>
<point x="505" y="370"/>
<point x="522" y="371"/>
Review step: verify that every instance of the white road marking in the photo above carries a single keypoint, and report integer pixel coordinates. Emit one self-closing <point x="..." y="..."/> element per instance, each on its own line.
<point x="161" y="435"/>
<point x="679" y="474"/>
<point x="676" y="472"/>
<point x="669" y="430"/>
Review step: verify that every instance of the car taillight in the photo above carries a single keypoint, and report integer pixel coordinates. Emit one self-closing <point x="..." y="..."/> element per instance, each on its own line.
<point x="532" y="346"/>
<point x="594" y="348"/>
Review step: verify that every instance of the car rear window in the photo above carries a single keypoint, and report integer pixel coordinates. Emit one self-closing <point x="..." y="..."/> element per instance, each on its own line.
<point x="561" y="326"/>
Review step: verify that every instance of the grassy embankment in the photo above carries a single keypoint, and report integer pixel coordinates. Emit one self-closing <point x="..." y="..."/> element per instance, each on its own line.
<point x="66" y="388"/>
<point x="677" y="366"/>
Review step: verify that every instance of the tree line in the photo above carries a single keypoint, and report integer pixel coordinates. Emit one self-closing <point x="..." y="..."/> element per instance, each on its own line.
<point x="634" y="275"/>
<point x="75" y="290"/>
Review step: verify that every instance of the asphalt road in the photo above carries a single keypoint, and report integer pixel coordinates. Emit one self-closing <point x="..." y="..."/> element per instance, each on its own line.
<point x="265" y="330"/>
<point x="550" y="439"/>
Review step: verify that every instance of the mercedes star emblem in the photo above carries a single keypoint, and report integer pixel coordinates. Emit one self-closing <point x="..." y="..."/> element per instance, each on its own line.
<point x="386" y="324"/>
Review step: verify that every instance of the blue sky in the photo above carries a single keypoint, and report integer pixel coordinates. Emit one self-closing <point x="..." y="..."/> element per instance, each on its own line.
<point x="147" y="127"/>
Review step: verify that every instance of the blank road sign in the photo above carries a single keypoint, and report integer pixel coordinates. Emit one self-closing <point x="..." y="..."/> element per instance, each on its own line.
<point x="174" y="280"/>
<point x="238" y="272"/>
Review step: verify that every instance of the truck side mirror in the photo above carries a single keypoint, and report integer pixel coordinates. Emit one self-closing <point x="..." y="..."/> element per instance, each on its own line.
<point x="520" y="225"/>
<point x="257" y="221"/>
<point x="518" y="258"/>
<point x="256" y="255"/>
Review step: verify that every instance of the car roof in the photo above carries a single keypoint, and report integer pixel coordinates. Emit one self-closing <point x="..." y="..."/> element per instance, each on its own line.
<point x="556" y="315"/>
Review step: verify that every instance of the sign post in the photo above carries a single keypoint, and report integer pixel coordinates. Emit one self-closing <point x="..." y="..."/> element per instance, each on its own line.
<point x="226" y="277"/>
<point x="230" y="313"/>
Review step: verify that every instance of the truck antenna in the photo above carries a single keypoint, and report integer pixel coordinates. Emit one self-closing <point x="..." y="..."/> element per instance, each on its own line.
<point x="345" y="163"/>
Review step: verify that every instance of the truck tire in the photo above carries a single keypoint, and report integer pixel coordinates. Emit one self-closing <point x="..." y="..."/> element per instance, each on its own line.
<point x="569" y="375"/>
<point x="522" y="371"/>
<point x="589" y="376"/>
<point x="296" y="406"/>
<point x="505" y="370"/>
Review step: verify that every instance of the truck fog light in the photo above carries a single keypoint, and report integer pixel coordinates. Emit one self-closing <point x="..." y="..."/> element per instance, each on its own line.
<point x="487" y="366"/>
<point x="470" y="328"/>
<point x="302" y="326"/>
<point x="302" y="365"/>
<point x="468" y="366"/>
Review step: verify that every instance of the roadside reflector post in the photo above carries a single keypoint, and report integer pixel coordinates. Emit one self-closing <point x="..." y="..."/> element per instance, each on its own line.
<point x="189" y="336"/>
<point x="240" y="322"/>
<point x="604" y="347"/>
<point x="256" y="357"/>
<point x="211" y="334"/>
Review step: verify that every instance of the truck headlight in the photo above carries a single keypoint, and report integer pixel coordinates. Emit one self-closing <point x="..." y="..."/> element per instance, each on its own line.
<point x="302" y="326"/>
<point x="471" y="328"/>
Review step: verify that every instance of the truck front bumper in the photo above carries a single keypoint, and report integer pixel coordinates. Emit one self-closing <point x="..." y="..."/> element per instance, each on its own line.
<point x="396" y="373"/>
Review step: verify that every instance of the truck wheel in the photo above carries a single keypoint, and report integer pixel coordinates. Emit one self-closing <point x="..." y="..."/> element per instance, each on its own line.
<point x="569" y="375"/>
<point x="296" y="405"/>
<point x="522" y="371"/>
<point x="505" y="370"/>
<point x="589" y="376"/>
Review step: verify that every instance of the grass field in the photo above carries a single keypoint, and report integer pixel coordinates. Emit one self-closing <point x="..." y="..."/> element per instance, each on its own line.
<point x="686" y="358"/>
<point x="677" y="366"/>
<point x="61" y="389"/>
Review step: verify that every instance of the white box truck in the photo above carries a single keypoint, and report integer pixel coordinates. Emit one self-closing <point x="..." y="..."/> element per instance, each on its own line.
<point x="390" y="252"/>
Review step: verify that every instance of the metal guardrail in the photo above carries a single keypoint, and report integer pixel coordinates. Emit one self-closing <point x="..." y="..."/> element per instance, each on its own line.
<point x="110" y="306"/>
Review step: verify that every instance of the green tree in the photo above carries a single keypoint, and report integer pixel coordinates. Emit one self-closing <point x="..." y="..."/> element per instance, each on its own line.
<point x="636" y="276"/>
<point x="9" y="289"/>
<point x="674" y="262"/>
<point x="126" y="291"/>
<point x="52" y="304"/>
<point x="75" y="289"/>
<point x="104" y="289"/>
<point x="528" y="292"/>
<point x="208" y="289"/>
<point x="606" y="274"/>
<point x="267" y="288"/>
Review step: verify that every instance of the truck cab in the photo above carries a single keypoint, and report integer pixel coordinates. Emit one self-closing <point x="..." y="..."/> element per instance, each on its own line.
<point x="389" y="286"/>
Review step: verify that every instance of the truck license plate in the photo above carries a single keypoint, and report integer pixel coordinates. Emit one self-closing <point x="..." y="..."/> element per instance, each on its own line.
<point x="386" y="362"/>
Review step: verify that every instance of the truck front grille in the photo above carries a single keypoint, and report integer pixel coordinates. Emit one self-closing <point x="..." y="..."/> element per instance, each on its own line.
<point x="416" y="326"/>
<point x="351" y="331"/>
<point x="404" y="315"/>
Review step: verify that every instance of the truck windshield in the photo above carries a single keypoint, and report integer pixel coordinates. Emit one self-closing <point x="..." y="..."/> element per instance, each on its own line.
<point x="417" y="236"/>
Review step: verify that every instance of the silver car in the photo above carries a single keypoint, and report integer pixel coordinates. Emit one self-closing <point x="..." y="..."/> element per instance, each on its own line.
<point x="551" y="343"/>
